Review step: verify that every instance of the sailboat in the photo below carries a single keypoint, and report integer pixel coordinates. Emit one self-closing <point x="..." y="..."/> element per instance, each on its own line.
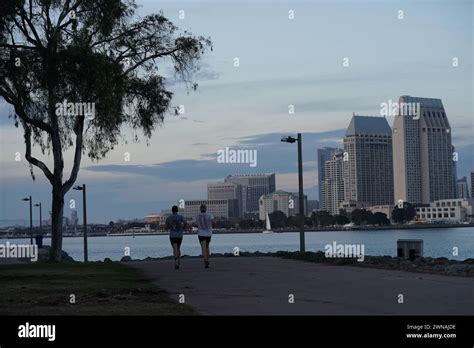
<point x="268" y="227"/>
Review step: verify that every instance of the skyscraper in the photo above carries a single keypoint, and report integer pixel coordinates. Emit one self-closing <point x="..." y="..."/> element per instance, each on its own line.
<point x="225" y="190"/>
<point x="253" y="187"/>
<point x="367" y="161"/>
<point x="463" y="188"/>
<point x="74" y="220"/>
<point x="324" y="154"/>
<point x="472" y="183"/>
<point x="333" y="184"/>
<point x="423" y="152"/>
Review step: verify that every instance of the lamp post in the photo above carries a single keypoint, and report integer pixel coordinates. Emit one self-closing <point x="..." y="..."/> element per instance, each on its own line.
<point x="31" y="218"/>
<point x="84" y="216"/>
<point x="41" y="222"/>
<point x="292" y="140"/>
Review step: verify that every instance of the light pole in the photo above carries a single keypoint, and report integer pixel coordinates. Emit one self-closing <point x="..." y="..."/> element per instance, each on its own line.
<point x="292" y="140"/>
<point x="31" y="218"/>
<point x="41" y="222"/>
<point x="84" y="215"/>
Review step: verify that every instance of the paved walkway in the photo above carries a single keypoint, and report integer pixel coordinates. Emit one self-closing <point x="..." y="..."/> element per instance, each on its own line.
<point x="262" y="286"/>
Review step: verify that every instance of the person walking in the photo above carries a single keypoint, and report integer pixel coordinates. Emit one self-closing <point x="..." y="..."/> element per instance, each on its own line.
<point x="204" y="222"/>
<point x="175" y="224"/>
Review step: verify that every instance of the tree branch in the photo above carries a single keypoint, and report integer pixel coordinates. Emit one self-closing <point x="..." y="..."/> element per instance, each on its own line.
<point x="77" y="154"/>
<point x="19" y="110"/>
<point x="32" y="27"/>
<point x="153" y="56"/>
<point x="18" y="46"/>
<point x="34" y="161"/>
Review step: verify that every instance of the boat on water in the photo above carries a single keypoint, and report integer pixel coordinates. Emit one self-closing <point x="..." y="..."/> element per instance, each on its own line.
<point x="268" y="227"/>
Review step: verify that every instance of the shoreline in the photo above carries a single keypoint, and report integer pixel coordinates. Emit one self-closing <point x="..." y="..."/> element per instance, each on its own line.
<point x="285" y="230"/>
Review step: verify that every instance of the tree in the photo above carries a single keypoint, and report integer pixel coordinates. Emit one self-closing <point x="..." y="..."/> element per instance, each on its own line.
<point x="324" y="218"/>
<point x="341" y="219"/>
<point x="380" y="219"/>
<point x="278" y="219"/>
<point x="293" y="221"/>
<point x="410" y="211"/>
<point x="224" y="223"/>
<point x="403" y="214"/>
<point x="359" y="216"/>
<point x="77" y="71"/>
<point x="314" y="219"/>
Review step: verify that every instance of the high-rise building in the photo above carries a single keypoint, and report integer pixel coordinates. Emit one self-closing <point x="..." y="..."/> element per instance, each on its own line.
<point x="472" y="183"/>
<point x="422" y="152"/>
<point x="313" y="205"/>
<point x="367" y="161"/>
<point x="324" y="154"/>
<point x="333" y="184"/>
<point x="253" y="187"/>
<point x="219" y="208"/>
<point x="296" y="196"/>
<point x="225" y="190"/>
<point x="74" y="220"/>
<point x="455" y="174"/>
<point x="463" y="188"/>
<point x="277" y="201"/>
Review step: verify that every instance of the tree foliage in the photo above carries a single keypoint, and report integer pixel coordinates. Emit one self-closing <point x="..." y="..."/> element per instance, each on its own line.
<point x="403" y="214"/>
<point x="55" y="52"/>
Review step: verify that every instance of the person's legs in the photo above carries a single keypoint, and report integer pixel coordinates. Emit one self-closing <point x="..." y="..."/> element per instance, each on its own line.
<point x="202" y="242"/>
<point x="176" y="253"/>
<point x="207" y="248"/>
<point x="204" y="250"/>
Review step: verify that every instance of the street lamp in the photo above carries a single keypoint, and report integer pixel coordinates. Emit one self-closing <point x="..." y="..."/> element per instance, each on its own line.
<point x="31" y="218"/>
<point x="292" y="140"/>
<point x="41" y="222"/>
<point x="84" y="215"/>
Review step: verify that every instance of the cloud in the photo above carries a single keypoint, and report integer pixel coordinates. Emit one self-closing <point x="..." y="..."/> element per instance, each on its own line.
<point x="273" y="156"/>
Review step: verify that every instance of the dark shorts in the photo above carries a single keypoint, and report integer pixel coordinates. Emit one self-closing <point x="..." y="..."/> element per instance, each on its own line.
<point x="176" y="241"/>
<point x="207" y="239"/>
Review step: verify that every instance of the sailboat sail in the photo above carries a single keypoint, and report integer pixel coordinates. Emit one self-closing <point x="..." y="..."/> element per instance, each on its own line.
<point x="268" y="226"/>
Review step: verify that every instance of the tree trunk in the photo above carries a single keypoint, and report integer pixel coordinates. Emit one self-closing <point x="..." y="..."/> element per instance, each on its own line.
<point x="57" y="222"/>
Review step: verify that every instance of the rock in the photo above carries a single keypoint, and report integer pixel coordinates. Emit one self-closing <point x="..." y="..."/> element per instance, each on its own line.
<point x="126" y="259"/>
<point x="43" y="255"/>
<point x="456" y="268"/>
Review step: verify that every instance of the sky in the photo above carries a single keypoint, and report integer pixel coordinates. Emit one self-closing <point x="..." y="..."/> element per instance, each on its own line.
<point x="392" y="48"/>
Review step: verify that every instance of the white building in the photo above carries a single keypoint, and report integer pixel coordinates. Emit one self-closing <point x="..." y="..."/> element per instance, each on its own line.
<point x="446" y="210"/>
<point x="350" y="206"/>
<point x="278" y="200"/>
<point x="384" y="209"/>
<point x="155" y="219"/>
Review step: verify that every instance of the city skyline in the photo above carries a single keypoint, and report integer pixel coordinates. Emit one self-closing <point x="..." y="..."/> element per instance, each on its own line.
<point x="257" y="95"/>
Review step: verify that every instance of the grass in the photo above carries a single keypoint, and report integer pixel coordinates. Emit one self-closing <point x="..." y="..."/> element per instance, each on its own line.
<point x="99" y="288"/>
